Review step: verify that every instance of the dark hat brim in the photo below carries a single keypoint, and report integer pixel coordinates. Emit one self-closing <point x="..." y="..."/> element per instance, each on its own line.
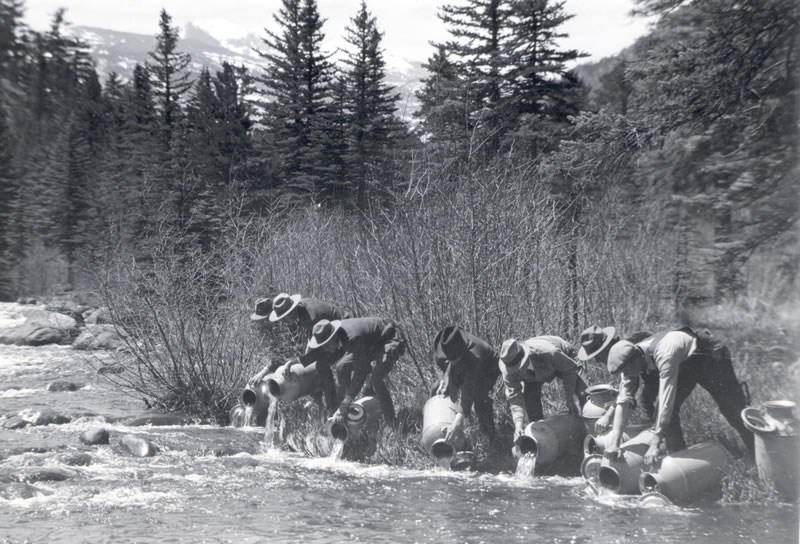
<point x="313" y="344"/>
<point x="610" y="332"/>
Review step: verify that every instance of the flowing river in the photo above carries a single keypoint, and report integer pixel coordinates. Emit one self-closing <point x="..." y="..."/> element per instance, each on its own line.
<point x="211" y="484"/>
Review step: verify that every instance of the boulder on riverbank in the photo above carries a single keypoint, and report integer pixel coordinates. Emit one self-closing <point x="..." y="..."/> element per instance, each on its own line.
<point x="107" y="337"/>
<point x="40" y="328"/>
<point x="98" y="316"/>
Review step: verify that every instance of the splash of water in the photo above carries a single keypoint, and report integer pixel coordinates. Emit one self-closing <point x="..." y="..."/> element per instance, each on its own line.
<point x="525" y="466"/>
<point x="248" y="414"/>
<point x="269" y="426"/>
<point x="443" y="462"/>
<point x="337" y="450"/>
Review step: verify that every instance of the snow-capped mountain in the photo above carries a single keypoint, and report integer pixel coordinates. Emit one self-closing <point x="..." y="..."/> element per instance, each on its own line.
<point x="210" y="43"/>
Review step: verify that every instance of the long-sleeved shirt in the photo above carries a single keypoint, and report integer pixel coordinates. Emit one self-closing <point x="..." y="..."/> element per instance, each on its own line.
<point x="310" y="310"/>
<point x="662" y="354"/>
<point x="474" y="374"/>
<point x="366" y="339"/>
<point x="547" y="362"/>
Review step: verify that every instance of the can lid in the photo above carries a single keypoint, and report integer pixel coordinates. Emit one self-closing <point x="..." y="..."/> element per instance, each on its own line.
<point x="590" y="467"/>
<point x="654" y="498"/>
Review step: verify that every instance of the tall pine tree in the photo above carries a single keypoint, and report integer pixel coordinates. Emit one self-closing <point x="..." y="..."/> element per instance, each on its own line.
<point x="297" y="84"/>
<point x="369" y="107"/>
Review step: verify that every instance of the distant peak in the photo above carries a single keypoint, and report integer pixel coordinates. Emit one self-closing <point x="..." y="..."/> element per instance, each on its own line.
<point x="196" y="33"/>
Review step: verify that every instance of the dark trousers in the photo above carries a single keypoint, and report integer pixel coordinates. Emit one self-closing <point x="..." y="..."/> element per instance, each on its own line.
<point x="533" y="398"/>
<point x="382" y="361"/>
<point x="710" y="367"/>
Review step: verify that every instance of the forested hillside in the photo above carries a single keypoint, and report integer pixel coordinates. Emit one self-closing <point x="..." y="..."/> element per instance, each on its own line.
<point x="520" y="196"/>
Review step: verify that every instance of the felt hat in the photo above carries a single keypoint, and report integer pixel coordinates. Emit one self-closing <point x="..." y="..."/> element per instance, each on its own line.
<point x="323" y="332"/>
<point x="514" y="356"/>
<point x="282" y="305"/>
<point x="451" y="343"/>
<point x="594" y="340"/>
<point x="262" y="309"/>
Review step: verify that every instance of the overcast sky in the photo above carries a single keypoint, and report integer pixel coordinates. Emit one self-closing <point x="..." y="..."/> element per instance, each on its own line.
<point x="600" y="27"/>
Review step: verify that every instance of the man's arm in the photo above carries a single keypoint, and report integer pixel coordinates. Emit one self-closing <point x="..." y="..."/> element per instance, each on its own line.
<point x="670" y="352"/>
<point x="360" y="371"/>
<point x="567" y="370"/>
<point x="628" y="384"/>
<point x="516" y="403"/>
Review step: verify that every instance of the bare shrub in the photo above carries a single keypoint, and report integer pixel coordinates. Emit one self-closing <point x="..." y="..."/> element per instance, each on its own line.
<point x="188" y="342"/>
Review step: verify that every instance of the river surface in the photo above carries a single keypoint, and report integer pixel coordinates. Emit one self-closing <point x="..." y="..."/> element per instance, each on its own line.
<point x="211" y="484"/>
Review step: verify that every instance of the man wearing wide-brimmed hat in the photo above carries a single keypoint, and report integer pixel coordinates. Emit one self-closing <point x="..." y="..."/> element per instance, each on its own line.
<point x="680" y="359"/>
<point x="357" y="348"/>
<point x="526" y="366"/>
<point x="300" y="313"/>
<point x="263" y="306"/>
<point x="469" y="367"/>
<point x="303" y="312"/>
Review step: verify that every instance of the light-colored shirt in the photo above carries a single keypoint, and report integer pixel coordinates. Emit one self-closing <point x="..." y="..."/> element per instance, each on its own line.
<point x="546" y="362"/>
<point x="665" y="358"/>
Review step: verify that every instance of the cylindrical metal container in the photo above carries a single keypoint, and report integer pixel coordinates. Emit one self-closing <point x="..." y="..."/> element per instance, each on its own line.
<point x="255" y="399"/>
<point x="590" y="467"/>
<point x="687" y="474"/>
<point x="777" y="448"/>
<point x="299" y="381"/>
<point x="361" y="416"/>
<point x="599" y="444"/>
<point x="438" y="414"/>
<point x="622" y="475"/>
<point x="601" y="396"/>
<point x="555" y="438"/>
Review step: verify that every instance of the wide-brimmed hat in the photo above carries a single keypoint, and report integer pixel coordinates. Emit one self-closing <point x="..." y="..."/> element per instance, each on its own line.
<point x="451" y="343"/>
<point x="514" y="356"/>
<point x="282" y="305"/>
<point x="594" y="340"/>
<point x="262" y="309"/>
<point x="323" y="332"/>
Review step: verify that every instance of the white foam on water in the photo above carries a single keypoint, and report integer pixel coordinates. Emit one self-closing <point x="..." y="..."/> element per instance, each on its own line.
<point x="14" y="393"/>
<point x="127" y="496"/>
<point x="11" y="314"/>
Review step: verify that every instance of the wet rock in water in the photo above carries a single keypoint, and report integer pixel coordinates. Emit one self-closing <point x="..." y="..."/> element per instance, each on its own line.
<point x="137" y="446"/>
<point x="13" y="422"/>
<point x="27" y="300"/>
<point x="107" y="337"/>
<point x="158" y="420"/>
<point x="61" y="385"/>
<point x="111" y="368"/>
<point x="41" y="474"/>
<point x="94" y="437"/>
<point x="19" y="490"/>
<point x="45" y="416"/>
<point x="75" y="459"/>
